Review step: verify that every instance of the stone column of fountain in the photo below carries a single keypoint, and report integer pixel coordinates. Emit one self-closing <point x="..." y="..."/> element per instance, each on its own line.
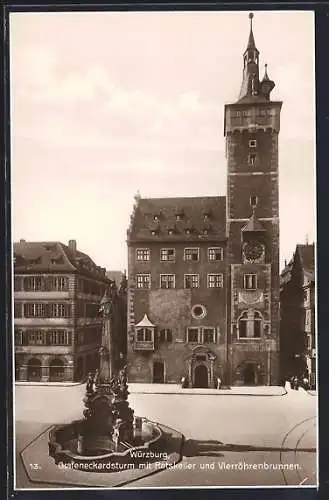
<point x="99" y="418"/>
<point x="108" y="418"/>
<point x="108" y="432"/>
<point x="123" y="429"/>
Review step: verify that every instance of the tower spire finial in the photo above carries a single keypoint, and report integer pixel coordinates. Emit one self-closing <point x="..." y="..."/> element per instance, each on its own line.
<point x="265" y="74"/>
<point x="251" y="41"/>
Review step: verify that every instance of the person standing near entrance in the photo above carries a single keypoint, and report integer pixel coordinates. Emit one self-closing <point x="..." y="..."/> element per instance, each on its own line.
<point x="184" y="382"/>
<point x="219" y="383"/>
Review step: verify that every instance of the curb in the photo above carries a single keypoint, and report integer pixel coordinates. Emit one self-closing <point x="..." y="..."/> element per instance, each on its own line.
<point x="209" y="394"/>
<point x="49" y="384"/>
<point x="188" y="391"/>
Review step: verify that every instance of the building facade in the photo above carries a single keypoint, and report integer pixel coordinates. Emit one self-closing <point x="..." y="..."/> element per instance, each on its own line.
<point x="57" y="326"/>
<point x="203" y="273"/>
<point x="297" y="329"/>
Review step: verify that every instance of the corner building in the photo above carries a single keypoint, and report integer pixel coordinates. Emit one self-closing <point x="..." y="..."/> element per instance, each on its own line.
<point x="203" y="288"/>
<point x="57" y="327"/>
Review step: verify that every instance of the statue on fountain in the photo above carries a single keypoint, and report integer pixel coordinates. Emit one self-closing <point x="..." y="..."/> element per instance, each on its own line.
<point x="108" y="430"/>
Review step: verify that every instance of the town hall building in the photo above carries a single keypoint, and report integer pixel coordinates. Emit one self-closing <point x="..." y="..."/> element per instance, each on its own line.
<point x="203" y="272"/>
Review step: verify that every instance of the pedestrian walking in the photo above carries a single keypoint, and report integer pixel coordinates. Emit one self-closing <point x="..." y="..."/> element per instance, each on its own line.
<point x="291" y="381"/>
<point x="305" y="382"/>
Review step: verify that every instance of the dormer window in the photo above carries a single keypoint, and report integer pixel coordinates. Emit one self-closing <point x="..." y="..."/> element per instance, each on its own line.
<point x="180" y="216"/>
<point x="252" y="143"/>
<point x="156" y="218"/>
<point x="171" y="231"/>
<point x="154" y="232"/>
<point x="206" y="230"/>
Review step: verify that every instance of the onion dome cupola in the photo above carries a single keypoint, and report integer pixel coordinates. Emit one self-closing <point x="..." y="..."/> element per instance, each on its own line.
<point x="267" y="85"/>
<point x="145" y="322"/>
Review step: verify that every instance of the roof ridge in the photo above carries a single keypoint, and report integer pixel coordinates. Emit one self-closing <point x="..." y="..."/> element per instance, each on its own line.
<point x="181" y="197"/>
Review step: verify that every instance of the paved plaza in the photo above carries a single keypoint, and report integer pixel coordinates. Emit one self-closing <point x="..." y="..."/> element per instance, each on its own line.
<point x="230" y="437"/>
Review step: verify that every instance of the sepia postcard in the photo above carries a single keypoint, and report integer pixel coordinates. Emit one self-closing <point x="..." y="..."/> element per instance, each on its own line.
<point x="164" y="237"/>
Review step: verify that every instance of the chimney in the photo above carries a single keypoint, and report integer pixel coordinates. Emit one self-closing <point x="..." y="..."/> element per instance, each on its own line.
<point x="22" y="241"/>
<point x="73" y="246"/>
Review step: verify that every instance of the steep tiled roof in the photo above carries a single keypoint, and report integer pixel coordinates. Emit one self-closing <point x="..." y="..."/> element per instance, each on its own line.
<point x="306" y="254"/>
<point x="145" y="322"/>
<point x="115" y="276"/>
<point x="179" y="219"/>
<point x="253" y="225"/>
<point x="53" y="256"/>
<point x="285" y="275"/>
<point x="306" y="259"/>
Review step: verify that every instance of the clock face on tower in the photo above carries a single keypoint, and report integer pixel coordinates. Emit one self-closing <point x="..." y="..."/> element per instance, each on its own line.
<point x="253" y="250"/>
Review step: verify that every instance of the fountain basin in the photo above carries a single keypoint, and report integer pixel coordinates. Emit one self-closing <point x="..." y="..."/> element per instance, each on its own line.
<point x="65" y="448"/>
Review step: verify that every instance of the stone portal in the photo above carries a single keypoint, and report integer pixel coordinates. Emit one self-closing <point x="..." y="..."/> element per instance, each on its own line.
<point x="201" y="370"/>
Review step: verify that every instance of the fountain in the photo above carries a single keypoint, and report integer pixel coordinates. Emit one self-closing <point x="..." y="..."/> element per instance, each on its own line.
<point x="109" y="433"/>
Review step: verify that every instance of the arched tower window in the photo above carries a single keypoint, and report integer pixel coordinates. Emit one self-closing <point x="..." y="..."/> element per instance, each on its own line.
<point x="250" y="325"/>
<point x="257" y="324"/>
<point x="243" y="321"/>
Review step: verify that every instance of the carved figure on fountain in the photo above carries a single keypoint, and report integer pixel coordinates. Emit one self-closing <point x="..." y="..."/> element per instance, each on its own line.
<point x="90" y="384"/>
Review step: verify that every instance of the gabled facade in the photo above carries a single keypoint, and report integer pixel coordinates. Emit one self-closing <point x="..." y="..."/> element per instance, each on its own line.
<point x="297" y="306"/>
<point x="57" y="326"/>
<point x="204" y="272"/>
<point x="176" y="289"/>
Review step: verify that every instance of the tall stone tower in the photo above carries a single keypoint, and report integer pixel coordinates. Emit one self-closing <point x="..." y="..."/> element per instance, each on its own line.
<point x="251" y="129"/>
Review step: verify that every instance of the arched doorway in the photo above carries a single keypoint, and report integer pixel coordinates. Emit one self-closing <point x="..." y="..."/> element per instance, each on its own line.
<point x="249" y="375"/>
<point x="34" y="370"/>
<point x="56" y="370"/>
<point x="158" y="372"/>
<point x="200" y="376"/>
<point x="79" y="369"/>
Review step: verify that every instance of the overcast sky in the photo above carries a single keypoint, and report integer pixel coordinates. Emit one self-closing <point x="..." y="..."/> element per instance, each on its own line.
<point x="105" y="104"/>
